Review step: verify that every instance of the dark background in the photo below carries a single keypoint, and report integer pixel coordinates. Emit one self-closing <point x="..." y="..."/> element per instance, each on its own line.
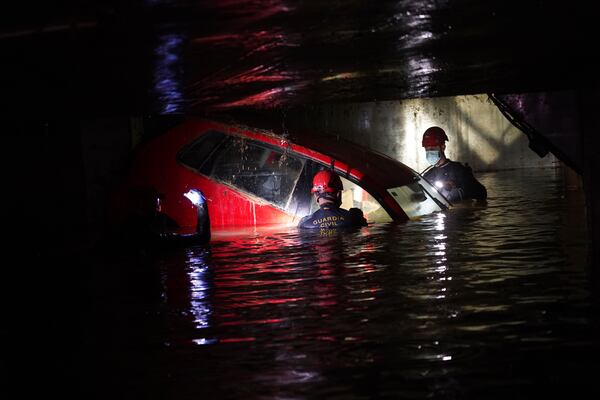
<point x="69" y="65"/>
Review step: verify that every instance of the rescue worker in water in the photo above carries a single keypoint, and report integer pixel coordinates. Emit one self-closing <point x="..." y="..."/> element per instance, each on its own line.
<point x="327" y="189"/>
<point x="452" y="179"/>
<point x="149" y="226"/>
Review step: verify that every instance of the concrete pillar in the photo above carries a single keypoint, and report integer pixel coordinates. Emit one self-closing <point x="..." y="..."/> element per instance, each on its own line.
<point x="591" y="177"/>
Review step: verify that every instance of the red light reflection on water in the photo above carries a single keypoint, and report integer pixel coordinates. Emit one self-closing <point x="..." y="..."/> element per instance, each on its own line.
<point x="266" y="280"/>
<point x="262" y="321"/>
<point x="237" y="340"/>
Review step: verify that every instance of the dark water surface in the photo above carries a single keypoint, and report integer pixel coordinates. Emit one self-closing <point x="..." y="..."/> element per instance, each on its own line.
<point x="489" y="302"/>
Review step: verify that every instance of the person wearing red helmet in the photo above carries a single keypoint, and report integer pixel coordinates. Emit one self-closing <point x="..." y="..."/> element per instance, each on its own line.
<point x="452" y="179"/>
<point x="327" y="189"/>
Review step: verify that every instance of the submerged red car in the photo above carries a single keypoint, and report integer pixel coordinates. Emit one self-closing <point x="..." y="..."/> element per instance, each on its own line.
<point x="254" y="178"/>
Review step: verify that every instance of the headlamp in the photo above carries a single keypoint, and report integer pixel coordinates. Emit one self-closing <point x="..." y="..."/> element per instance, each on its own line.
<point x="195" y="196"/>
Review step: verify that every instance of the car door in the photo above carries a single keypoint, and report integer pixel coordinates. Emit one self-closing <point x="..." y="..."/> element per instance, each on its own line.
<point x="255" y="181"/>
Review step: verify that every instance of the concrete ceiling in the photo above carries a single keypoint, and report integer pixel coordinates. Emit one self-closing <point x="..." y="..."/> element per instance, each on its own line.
<point x="193" y="57"/>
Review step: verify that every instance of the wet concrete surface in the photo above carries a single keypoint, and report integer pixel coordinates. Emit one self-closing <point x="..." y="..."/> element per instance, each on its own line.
<point x="179" y="56"/>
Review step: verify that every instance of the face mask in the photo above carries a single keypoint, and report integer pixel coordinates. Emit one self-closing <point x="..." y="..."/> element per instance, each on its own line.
<point x="433" y="156"/>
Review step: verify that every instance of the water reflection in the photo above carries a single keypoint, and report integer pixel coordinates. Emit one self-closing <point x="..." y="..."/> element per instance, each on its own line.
<point x="479" y="302"/>
<point x="168" y="79"/>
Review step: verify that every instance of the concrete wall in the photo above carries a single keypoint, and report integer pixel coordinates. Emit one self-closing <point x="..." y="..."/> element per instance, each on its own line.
<point x="479" y="134"/>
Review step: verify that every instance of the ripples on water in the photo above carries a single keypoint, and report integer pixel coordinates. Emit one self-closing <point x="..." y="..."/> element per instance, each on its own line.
<point x="484" y="302"/>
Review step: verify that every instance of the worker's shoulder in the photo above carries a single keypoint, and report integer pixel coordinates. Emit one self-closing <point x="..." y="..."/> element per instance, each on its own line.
<point x="355" y="211"/>
<point x="459" y="166"/>
<point x="357" y="215"/>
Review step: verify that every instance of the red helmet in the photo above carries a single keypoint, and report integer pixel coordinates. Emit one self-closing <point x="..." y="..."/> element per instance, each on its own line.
<point x="434" y="136"/>
<point x="326" y="181"/>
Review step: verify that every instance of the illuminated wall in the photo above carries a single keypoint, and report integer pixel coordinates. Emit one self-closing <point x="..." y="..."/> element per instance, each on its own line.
<point x="479" y="133"/>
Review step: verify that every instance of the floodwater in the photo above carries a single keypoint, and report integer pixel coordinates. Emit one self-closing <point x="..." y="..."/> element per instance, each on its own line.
<point x="487" y="302"/>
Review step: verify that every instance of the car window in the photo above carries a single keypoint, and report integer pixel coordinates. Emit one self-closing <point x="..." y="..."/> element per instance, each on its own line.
<point x="302" y="203"/>
<point x="418" y="198"/>
<point x="266" y="172"/>
<point x="355" y="196"/>
<point x="196" y="153"/>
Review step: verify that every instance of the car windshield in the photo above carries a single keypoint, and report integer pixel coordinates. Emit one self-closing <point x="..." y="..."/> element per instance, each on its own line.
<point x="355" y="196"/>
<point x="416" y="199"/>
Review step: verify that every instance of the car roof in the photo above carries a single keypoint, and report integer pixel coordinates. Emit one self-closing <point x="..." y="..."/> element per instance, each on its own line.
<point x="349" y="159"/>
<point x="377" y="168"/>
<point x="385" y="170"/>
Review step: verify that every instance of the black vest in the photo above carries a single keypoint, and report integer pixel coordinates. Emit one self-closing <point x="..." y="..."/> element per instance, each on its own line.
<point x="331" y="217"/>
<point x="457" y="180"/>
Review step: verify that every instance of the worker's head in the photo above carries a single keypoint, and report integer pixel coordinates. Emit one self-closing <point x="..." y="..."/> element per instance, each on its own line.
<point x="327" y="187"/>
<point x="434" y="141"/>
